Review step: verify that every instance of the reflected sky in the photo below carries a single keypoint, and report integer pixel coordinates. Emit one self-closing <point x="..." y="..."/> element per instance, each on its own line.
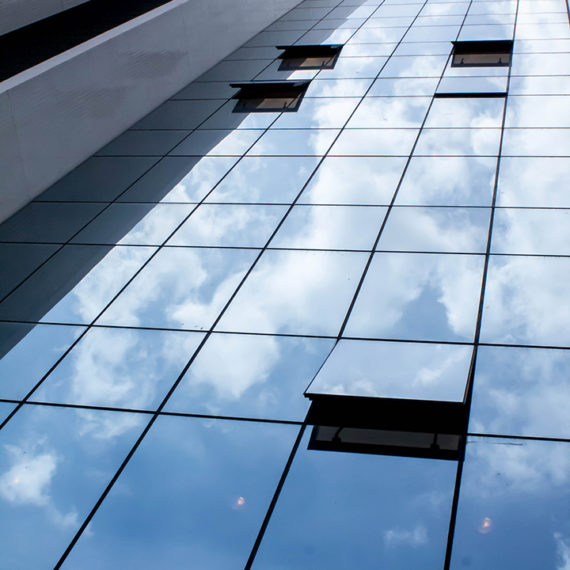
<point x="180" y="288"/>
<point x="392" y="511"/>
<point x="77" y="283"/>
<point x="526" y="301"/>
<point x="122" y="368"/>
<point x="296" y="292"/>
<point x="439" y="302"/>
<point x="508" y="399"/>
<point x="28" y="352"/>
<point x="513" y="506"/>
<point x="42" y="492"/>
<point x="216" y="481"/>
<point x="395" y="370"/>
<point x="251" y="376"/>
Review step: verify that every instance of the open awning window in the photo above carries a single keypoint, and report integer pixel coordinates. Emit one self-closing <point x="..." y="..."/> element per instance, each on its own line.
<point x="283" y="96"/>
<point x="482" y="54"/>
<point x="309" y="56"/>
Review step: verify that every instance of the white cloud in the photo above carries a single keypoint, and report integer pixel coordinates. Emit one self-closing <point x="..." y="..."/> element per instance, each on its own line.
<point x="399" y="537"/>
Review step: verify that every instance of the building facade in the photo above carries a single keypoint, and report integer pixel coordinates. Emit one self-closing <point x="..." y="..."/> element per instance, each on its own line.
<point x="326" y="330"/>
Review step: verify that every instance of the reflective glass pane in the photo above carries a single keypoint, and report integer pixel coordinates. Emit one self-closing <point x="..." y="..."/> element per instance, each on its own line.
<point x="312" y="142"/>
<point x="390" y="112"/>
<point x="473" y="85"/>
<point x="439" y="301"/>
<point x="5" y="410"/>
<point x="460" y="230"/>
<point x="319" y="113"/>
<point x="179" y="179"/>
<point x="526" y="301"/>
<point x="465" y="112"/>
<point x="99" y="179"/>
<point x="227" y="225"/>
<point x="537" y="112"/>
<point x="374" y="142"/>
<point x="265" y="179"/>
<point x="134" y="224"/>
<point x="296" y="292"/>
<point x="405" y="86"/>
<point x="216" y="481"/>
<point x="532" y="181"/>
<point x="469" y="142"/>
<point x="28" y="352"/>
<point x="330" y="227"/>
<point x="419" y="66"/>
<point x="448" y="181"/>
<point x="521" y="391"/>
<point x="257" y="376"/>
<point x="19" y="260"/>
<point x="389" y="509"/>
<point x="217" y="143"/>
<point x="45" y="496"/>
<point x="354" y="180"/>
<point x="44" y="222"/>
<point x="544" y="232"/>
<point x="76" y="284"/>
<point x="121" y="368"/>
<point x="143" y="143"/>
<point x="180" y="288"/>
<point x="536" y="142"/>
<point x="178" y="115"/>
<point x="378" y="369"/>
<point x="513" y="507"/>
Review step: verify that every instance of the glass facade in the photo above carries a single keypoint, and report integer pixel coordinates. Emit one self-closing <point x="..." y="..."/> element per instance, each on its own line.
<point x="175" y="310"/>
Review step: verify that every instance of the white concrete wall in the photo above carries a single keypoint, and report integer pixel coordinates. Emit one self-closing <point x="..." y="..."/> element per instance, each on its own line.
<point x="17" y="13"/>
<point x="56" y="114"/>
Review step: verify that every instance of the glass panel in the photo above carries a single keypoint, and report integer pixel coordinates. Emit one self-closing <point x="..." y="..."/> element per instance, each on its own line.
<point x="460" y="230"/>
<point x="375" y="142"/>
<point x="180" y="288"/>
<point x="217" y="143"/>
<point x="390" y="112"/>
<point x="119" y="368"/>
<point x="543" y="232"/>
<point x="395" y="370"/>
<point x="179" y="179"/>
<point x="466" y="112"/>
<point x="537" y="112"/>
<point x="420" y="66"/>
<point x="225" y="118"/>
<point x="521" y="391"/>
<point x="143" y="143"/>
<point x="19" y="260"/>
<point x="526" y="301"/>
<point x="320" y="113"/>
<point x="313" y="142"/>
<point x="542" y="64"/>
<point x="337" y="88"/>
<point x="266" y="180"/>
<point x="5" y="410"/>
<point x="553" y="85"/>
<point x="403" y="87"/>
<point x="469" y="142"/>
<point x="251" y="376"/>
<point x="536" y="142"/>
<point x="27" y="352"/>
<point x="354" y="68"/>
<point x="473" y="85"/>
<point x="216" y="481"/>
<point x="234" y="70"/>
<point x="134" y="224"/>
<point x="513" y="506"/>
<point x="76" y="284"/>
<point x="226" y="225"/>
<point x="330" y="227"/>
<point x="54" y="223"/>
<point x="178" y="115"/>
<point x="296" y="292"/>
<point x="448" y="181"/>
<point x="439" y="301"/>
<point x="354" y="180"/>
<point x="533" y="181"/>
<point x="390" y="509"/>
<point x="45" y="496"/>
<point x="98" y="179"/>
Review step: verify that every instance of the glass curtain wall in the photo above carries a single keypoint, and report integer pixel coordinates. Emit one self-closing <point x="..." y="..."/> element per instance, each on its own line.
<point x="403" y="235"/>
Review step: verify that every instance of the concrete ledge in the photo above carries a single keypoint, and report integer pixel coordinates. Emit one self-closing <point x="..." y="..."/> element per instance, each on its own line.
<point x="56" y="114"/>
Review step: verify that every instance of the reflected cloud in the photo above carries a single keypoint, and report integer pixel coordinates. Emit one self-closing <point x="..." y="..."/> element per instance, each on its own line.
<point x="398" y="537"/>
<point x="28" y="481"/>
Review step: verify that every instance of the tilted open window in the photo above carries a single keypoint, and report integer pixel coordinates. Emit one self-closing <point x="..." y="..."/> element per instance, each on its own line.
<point x="309" y="57"/>
<point x="482" y="54"/>
<point x="282" y="96"/>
